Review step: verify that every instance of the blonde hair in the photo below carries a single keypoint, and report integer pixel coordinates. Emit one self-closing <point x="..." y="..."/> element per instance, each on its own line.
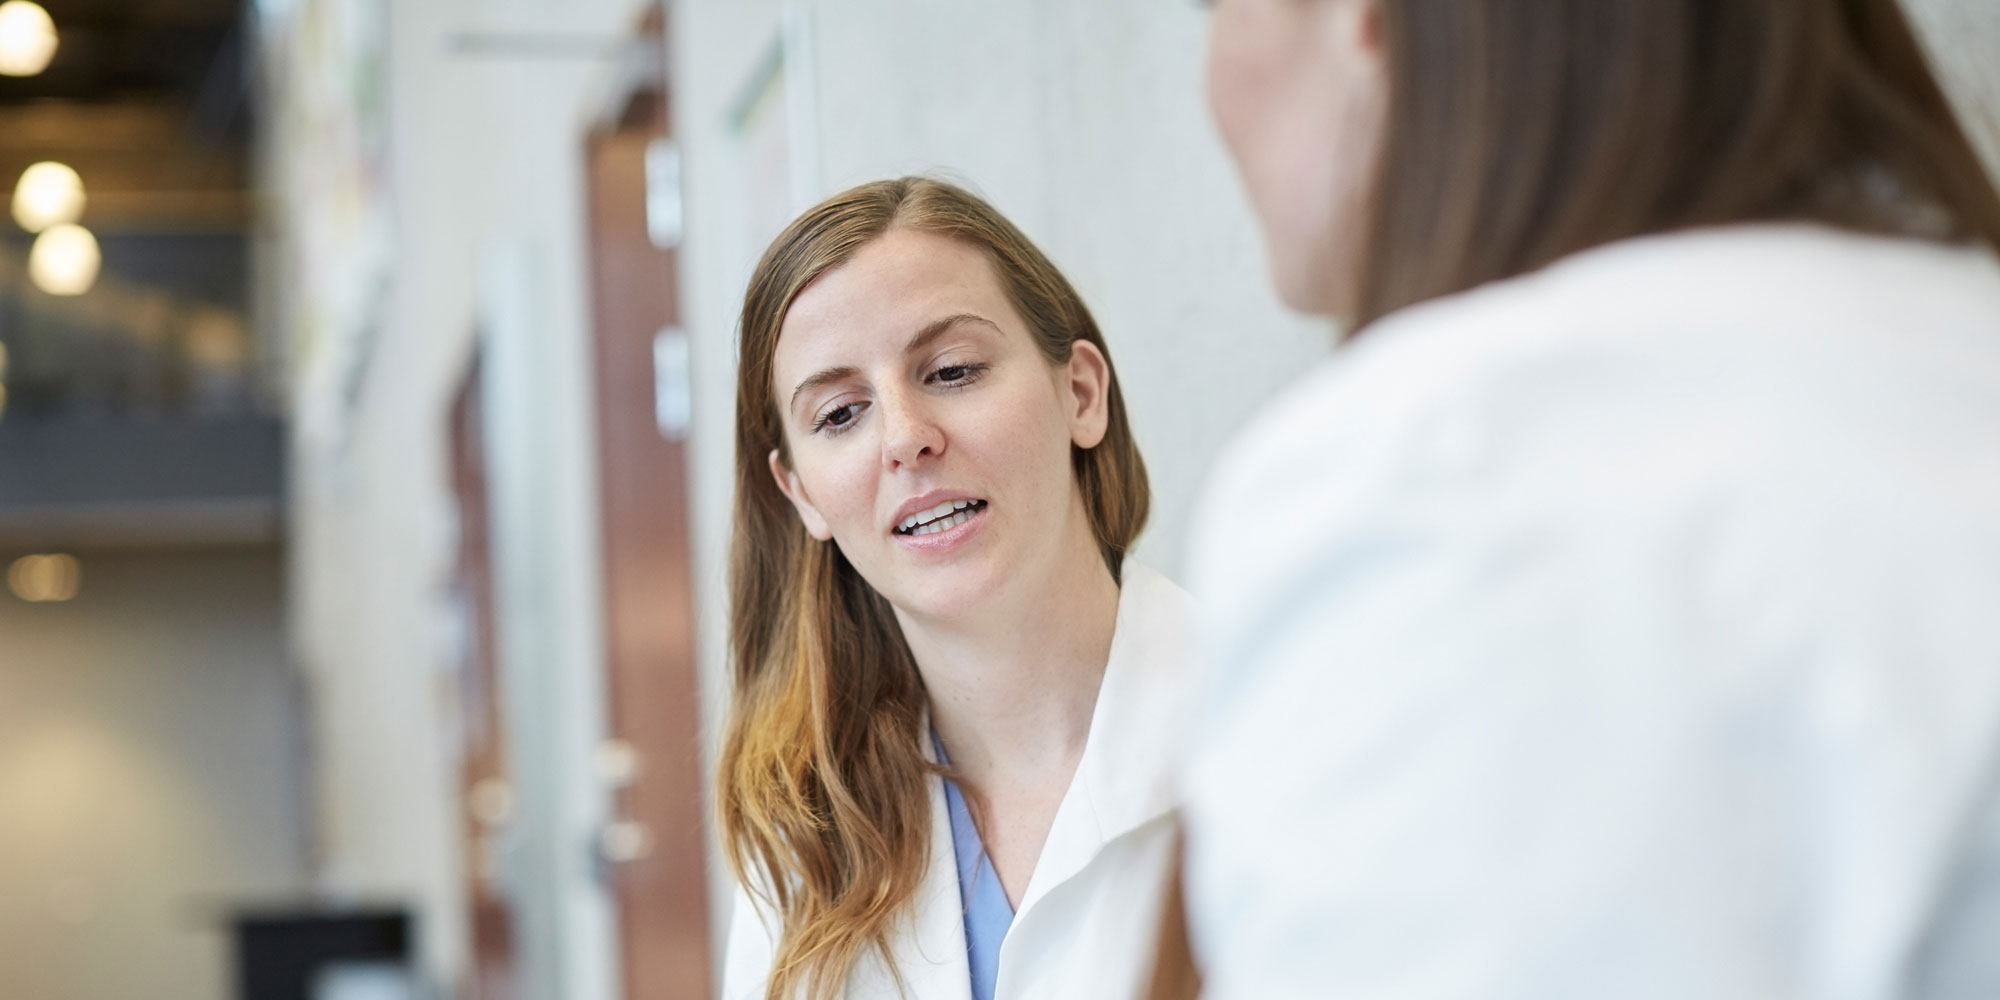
<point x="823" y="793"/>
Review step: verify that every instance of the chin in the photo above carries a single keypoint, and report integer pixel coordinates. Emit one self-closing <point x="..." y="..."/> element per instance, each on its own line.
<point x="948" y="592"/>
<point x="1313" y="274"/>
<point x="1300" y="295"/>
<point x="1302" y="283"/>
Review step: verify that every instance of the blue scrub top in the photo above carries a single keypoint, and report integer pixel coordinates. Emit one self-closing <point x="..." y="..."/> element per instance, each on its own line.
<point x="988" y="914"/>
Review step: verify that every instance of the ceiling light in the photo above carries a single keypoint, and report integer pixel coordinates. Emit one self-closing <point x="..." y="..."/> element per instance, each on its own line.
<point x="48" y="194"/>
<point x="27" y="38"/>
<point x="65" y="260"/>
<point x="44" y="579"/>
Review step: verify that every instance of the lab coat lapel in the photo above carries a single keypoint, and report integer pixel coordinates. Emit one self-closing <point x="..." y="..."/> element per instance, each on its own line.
<point x="1124" y="780"/>
<point x="930" y="950"/>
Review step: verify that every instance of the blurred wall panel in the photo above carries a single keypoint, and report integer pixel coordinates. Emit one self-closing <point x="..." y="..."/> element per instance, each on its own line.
<point x="151" y="773"/>
<point x="485" y="106"/>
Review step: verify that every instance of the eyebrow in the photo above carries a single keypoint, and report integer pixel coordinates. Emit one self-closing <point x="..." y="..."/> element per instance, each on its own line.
<point x="930" y="332"/>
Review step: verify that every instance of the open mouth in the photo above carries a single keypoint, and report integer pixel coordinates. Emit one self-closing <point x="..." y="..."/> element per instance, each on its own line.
<point x="942" y="517"/>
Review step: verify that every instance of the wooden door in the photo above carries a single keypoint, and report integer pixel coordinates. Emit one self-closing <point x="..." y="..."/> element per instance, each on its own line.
<point x="654" y="853"/>
<point x="486" y="794"/>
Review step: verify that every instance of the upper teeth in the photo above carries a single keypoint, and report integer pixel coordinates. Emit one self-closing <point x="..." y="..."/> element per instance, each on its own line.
<point x="945" y="509"/>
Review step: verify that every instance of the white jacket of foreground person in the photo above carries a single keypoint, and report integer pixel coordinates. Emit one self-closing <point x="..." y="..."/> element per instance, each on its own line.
<point x="1087" y="925"/>
<point x="1629" y="629"/>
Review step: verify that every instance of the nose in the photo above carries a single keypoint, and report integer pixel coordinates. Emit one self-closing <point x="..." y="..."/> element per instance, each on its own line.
<point x="910" y="432"/>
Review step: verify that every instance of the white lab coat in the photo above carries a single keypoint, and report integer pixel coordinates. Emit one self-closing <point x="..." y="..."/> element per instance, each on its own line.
<point x="1630" y="629"/>
<point x="1087" y="924"/>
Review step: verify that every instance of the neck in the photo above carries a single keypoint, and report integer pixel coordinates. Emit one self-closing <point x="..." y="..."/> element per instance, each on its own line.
<point x="1012" y="694"/>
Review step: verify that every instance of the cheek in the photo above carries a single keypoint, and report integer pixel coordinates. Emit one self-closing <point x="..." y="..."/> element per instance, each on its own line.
<point x="1017" y="441"/>
<point x="1317" y="230"/>
<point x="1302" y="120"/>
<point x="1243" y="79"/>
<point x="841" y="483"/>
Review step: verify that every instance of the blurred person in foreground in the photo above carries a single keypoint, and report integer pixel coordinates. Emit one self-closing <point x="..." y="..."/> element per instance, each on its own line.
<point x="1617" y="613"/>
<point x="955" y="697"/>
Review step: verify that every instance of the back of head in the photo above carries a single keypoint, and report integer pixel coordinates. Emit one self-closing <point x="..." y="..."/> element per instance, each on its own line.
<point x="1521" y="131"/>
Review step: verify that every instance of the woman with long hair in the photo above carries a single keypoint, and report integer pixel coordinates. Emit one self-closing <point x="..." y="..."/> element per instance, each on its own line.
<point x="1620" y="618"/>
<point x="954" y="695"/>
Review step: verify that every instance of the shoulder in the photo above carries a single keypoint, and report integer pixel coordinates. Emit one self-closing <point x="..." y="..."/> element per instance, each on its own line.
<point x="1715" y="348"/>
<point x="1561" y="532"/>
<point x="1704" y="402"/>
<point x="1153" y="613"/>
<point x="1152" y="649"/>
<point x="1136" y="730"/>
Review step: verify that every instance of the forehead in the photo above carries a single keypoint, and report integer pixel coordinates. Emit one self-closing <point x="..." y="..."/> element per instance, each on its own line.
<point x="872" y="304"/>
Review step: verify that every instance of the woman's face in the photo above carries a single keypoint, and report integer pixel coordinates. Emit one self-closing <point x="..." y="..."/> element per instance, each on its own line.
<point x="928" y="435"/>
<point x="1300" y="92"/>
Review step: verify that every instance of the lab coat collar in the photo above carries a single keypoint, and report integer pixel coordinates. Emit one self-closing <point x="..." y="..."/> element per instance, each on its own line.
<point x="1124" y="780"/>
<point x="930" y="955"/>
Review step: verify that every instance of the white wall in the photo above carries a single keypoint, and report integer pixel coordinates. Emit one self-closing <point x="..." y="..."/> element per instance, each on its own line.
<point x="151" y="774"/>
<point x="1083" y="122"/>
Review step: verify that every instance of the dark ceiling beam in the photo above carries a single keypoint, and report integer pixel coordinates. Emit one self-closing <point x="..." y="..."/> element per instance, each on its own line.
<point x="126" y="153"/>
<point x="80" y="125"/>
<point x="135" y="212"/>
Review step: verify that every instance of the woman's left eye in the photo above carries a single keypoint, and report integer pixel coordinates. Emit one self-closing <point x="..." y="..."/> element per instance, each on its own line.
<point x="955" y="375"/>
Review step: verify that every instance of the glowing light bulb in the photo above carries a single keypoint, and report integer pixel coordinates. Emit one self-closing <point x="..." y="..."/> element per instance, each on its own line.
<point x="42" y="579"/>
<point x="65" y="260"/>
<point x="48" y="194"/>
<point x="27" y="38"/>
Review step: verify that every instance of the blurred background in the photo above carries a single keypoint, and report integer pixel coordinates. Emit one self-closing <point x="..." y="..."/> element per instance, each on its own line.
<point x="365" y="404"/>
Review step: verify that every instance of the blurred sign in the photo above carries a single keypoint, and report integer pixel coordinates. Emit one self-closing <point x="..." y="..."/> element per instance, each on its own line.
<point x="665" y="213"/>
<point x="673" y="375"/>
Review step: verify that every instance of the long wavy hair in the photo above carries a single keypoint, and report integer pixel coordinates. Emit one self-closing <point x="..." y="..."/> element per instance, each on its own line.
<point x="1522" y="131"/>
<point x="823" y="791"/>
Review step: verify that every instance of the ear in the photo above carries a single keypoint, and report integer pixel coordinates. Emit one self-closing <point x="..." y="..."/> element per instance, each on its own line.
<point x="1348" y="34"/>
<point x="1087" y="381"/>
<point x="1361" y="27"/>
<point x="788" y="484"/>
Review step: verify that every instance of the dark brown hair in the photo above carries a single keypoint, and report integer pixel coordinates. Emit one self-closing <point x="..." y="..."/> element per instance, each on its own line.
<point x="823" y="792"/>
<point x="1521" y="131"/>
